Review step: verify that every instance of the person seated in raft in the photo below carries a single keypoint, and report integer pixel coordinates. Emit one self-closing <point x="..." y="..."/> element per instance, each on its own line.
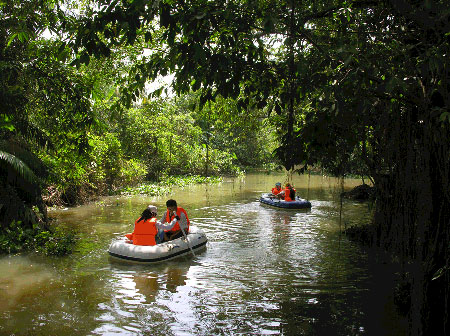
<point x="288" y="193"/>
<point x="148" y="230"/>
<point x="277" y="189"/>
<point x="181" y="217"/>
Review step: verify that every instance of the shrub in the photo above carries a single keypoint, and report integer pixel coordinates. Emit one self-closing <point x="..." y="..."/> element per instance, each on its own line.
<point x="54" y="241"/>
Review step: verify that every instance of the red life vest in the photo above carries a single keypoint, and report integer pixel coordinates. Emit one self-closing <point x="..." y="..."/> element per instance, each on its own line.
<point x="176" y="227"/>
<point x="287" y="194"/>
<point x="144" y="232"/>
<point x="276" y="191"/>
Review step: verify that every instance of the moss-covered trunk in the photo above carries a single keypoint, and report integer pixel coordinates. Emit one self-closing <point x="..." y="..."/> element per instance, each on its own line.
<point x="412" y="215"/>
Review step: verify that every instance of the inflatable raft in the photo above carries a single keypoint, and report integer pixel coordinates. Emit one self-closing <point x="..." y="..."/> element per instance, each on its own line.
<point x="121" y="249"/>
<point x="299" y="203"/>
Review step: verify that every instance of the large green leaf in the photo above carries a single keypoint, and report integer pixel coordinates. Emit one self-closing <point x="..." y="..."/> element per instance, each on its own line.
<point x="18" y="166"/>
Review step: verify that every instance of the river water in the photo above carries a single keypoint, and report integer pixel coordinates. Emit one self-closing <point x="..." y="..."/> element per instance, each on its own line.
<point x="265" y="271"/>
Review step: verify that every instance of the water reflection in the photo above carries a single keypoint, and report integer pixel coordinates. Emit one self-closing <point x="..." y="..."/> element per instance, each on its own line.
<point x="36" y="293"/>
<point x="139" y="280"/>
<point x="266" y="271"/>
<point x="21" y="280"/>
<point x="148" y="285"/>
<point x="161" y="288"/>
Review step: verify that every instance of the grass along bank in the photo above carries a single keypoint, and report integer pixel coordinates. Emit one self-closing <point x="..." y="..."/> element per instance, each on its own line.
<point x="165" y="185"/>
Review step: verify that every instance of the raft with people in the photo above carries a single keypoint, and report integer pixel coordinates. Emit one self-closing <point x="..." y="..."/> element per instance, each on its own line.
<point x="284" y="198"/>
<point x="298" y="203"/>
<point x="155" y="240"/>
<point x="122" y="249"/>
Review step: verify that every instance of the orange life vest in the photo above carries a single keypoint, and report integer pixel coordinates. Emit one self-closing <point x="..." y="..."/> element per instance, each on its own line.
<point x="276" y="191"/>
<point x="176" y="227"/>
<point x="287" y="195"/>
<point x="144" y="232"/>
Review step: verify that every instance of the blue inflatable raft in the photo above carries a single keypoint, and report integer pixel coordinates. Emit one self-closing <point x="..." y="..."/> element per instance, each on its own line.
<point x="299" y="203"/>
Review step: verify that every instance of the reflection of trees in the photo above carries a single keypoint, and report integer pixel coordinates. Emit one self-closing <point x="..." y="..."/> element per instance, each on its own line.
<point x="339" y="311"/>
<point x="147" y="284"/>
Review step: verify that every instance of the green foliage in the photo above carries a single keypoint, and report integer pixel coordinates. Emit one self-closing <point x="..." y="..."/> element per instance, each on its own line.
<point x="67" y="169"/>
<point x="108" y="164"/>
<point x="58" y="242"/>
<point x="240" y="132"/>
<point x="55" y="242"/>
<point x="43" y="102"/>
<point x="18" y="166"/>
<point x="182" y="181"/>
<point x="14" y="238"/>
<point x="166" y="183"/>
<point x="149" y="189"/>
<point x="132" y="172"/>
<point x="20" y="187"/>
<point x="168" y="138"/>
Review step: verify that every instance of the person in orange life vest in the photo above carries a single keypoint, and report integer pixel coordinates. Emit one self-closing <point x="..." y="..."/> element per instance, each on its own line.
<point x="148" y="230"/>
<point x="288" y="193"/>
<point x="175" y="212"/>
<point x="277" y="189"/>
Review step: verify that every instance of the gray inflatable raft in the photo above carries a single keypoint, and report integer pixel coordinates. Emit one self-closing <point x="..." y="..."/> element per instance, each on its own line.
<point x="121" y="249"/>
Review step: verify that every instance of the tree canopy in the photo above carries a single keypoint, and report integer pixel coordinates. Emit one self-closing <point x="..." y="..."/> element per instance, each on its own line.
<point x="353" y="86"/>
<point x="285" y="56"/>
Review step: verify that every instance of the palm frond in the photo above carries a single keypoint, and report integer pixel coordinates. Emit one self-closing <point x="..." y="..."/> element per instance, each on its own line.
<point x="19" y="167"/>
<point x="20" y="151"/>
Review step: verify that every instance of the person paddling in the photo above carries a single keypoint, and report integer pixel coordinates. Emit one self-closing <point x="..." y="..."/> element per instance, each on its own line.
<point x="288" y="193"/>
<point x="181" y="217"/>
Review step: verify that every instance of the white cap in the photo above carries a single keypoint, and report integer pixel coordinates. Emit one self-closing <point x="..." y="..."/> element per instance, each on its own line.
<point x="152" y="208"/>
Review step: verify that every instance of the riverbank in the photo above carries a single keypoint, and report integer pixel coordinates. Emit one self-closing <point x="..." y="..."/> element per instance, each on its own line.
<point x="55" y="198"/>
<point x="48" y="239"/>
<point x="165" y="185"/>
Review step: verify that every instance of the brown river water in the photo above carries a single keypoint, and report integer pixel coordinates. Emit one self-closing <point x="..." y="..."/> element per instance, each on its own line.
<point x="265" y="271"/>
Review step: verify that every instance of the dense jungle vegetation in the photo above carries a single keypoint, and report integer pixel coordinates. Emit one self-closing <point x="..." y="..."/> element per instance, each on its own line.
<point x="352" y="86"/>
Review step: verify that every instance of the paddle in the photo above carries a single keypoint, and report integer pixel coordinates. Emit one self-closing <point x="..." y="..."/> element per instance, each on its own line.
<point x="187" y="241"/>
<point x="185" y="237"/>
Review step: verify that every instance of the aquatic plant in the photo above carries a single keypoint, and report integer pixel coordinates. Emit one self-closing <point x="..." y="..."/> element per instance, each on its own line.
<point x="54" y="241"/>
<point x="164" y="186"/>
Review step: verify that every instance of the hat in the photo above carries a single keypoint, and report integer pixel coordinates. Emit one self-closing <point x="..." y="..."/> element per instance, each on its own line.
<point x="152" y="208"/>
<point x="278" y="184"/>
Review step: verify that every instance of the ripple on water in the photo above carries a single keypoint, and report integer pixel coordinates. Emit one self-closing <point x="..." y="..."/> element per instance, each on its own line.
<point x="21" y="280"/>
<point x="265" y="271"/>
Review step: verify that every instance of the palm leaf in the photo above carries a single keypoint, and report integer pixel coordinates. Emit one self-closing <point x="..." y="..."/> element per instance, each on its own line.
<point x="26" y="156"/>
<point x="19" y="167"/>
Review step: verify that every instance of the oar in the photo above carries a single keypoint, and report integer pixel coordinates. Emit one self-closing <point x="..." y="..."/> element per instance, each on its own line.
<point x="187" y="241"/>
